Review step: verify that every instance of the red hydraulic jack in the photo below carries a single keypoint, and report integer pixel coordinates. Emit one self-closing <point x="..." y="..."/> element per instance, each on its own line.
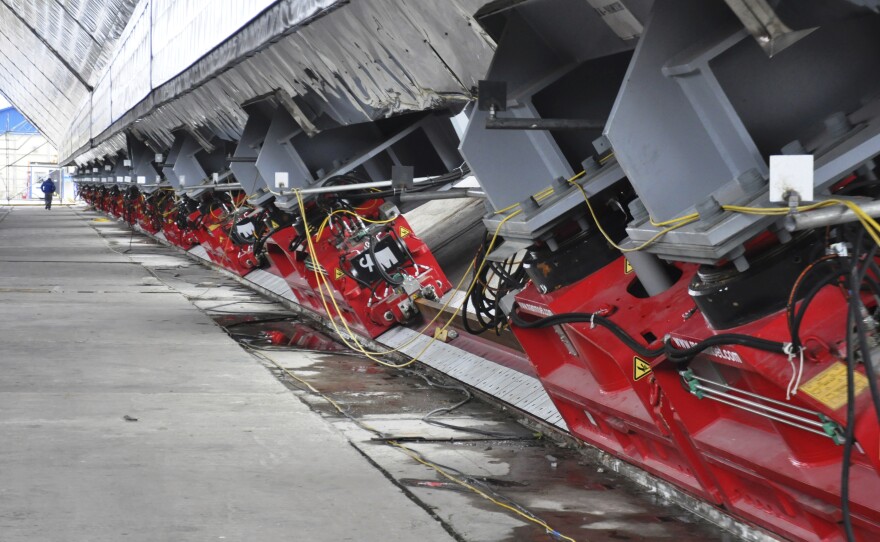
<point x="374" y="268"/>
<point x="721" y="426"/>
<point x="174" y="226"/>
<point x="132" y="205"/>
<point x="212" y="230"/>
<point x="149" y="217"/>
<point x="603" y="390"/>
<point x="779" y="459"/>
<point x="115" y="202"/>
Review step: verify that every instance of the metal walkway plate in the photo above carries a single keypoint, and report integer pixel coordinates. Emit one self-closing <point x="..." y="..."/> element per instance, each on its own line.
<point x="272" y="283"/>
<point x="514" y="388"/>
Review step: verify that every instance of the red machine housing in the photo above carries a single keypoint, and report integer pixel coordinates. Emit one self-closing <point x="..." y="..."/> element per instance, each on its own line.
<point x="148" y="216"/>
<point x="766" y="471"/>
<point x="590" y="374"/>
<point x="211" y="230"/>
<point x="115" y="202"/>
<point x="369" y="305"/>
<point x="283" y="263"/>
<point x="171" y="227"/>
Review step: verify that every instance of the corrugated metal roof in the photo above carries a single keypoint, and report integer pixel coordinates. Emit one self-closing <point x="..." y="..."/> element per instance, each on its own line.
<point x="86" y="71"/>
<point x="51" y="53"/>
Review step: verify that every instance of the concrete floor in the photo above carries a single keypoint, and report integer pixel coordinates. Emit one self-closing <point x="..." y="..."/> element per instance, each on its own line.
<point x="127" y="414"/>
<point x="100" y="326"/>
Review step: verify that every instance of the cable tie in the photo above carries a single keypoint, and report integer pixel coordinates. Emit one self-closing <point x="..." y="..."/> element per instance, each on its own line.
<point x="796" y="371"/>
<point x="593" y="321"/>
<point x="800" y="373"/>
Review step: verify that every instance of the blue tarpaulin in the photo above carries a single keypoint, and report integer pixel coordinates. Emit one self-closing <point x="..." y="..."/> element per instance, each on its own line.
<point x="13" y="121"/>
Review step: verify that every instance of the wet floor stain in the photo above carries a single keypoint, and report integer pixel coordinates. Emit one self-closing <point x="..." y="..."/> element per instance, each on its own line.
<point x="271" y="330"/>
<point x="525" y="470"/>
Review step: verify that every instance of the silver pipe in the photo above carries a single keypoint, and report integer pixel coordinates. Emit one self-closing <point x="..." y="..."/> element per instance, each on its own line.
<point x="828" y="216"/>
<point x="755" y="395"/>
<point x="358" y="186"/>
<point x="786" y="422"/>
<point x="340" y="188"/>
<point x="452" y="193"/>
<point x="211" y="186"/>
<point x="759" y="405"/>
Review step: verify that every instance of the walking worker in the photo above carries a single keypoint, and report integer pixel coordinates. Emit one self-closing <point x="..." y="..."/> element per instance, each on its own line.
<point x="48" y="188"/>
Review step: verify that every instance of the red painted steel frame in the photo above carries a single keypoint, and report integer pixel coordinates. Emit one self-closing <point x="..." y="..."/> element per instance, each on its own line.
<point x="590" y="375"/>
<point x="774" y="475"/>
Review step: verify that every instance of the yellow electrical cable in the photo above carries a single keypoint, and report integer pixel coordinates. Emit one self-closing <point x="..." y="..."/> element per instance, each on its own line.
<point x="542" y="195"/>
<point x="323" y="283"/>
<point x="345" y="211"/>
<point x="647" y="243"/>
<point x="868" y="222"/>
<point x="413" y="454"/>
<point x="418" y="457"/>
<point x="778" y="210"/>
<point x="684" y="218"/>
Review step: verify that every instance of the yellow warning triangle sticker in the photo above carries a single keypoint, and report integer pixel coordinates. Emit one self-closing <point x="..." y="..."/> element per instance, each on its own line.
<point x="404" y="231"/>
<point x="627" y="267"/>
<point x="338" y="274"/>
<point x="641" y="369"/>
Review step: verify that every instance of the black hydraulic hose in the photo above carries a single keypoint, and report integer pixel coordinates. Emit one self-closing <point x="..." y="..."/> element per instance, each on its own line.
<point x="685" y="354"/>
<point x="791" y="311"/>
<point x="345" y="272"/>
<point x="586" y="317"/>
<point x="849" y="431"/>
<point x="799" y="313"/>
<point x="486" y="309"/>
<point x="260" y="242"/>
<point x="371" y="248"/>
<point x="857" y="276"/>
<point x="677" y="355"/>
<point x="478" y="300"/>
<point x="365" y="196"/>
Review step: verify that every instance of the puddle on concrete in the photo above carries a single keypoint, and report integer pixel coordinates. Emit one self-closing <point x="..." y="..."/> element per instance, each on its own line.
<point x="553" y="482"/>
<point x="269" y="330"/>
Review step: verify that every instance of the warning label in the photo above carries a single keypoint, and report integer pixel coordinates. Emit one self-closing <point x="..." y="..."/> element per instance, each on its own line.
<point x="404" y="231"/>
<point x="829" y="386"/>
<point x="627" y="267"/>
<point x="338" y="274"/>
<point x="641" y="368"/>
